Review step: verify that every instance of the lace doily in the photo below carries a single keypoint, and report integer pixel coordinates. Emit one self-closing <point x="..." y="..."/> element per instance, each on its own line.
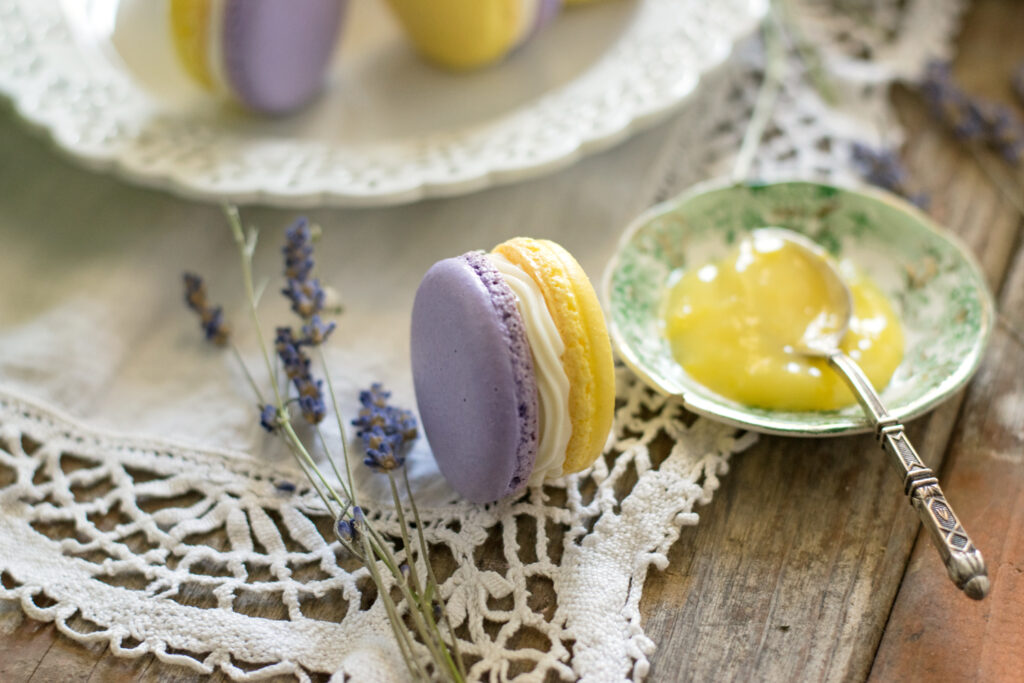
<point x="100" y="535"/>
<point x="338" y="151"/>
<point x="104" y="534"/>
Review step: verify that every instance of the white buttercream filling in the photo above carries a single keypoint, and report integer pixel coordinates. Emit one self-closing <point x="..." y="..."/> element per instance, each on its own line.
<point x="546" y="347"/>
<point x="215" y="48"/>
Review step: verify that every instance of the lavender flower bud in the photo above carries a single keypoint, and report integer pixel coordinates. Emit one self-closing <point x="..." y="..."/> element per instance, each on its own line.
<point x="973" y="118"/>
<point x="307" y="296"/>
<point x="346" y="531"/>
<point x="883" y="168"/>
<point x="211" y="318"/>
<point x="384" y="429"/>
<point x="268" y="418"/>
<point x="298" y="250"/>
<point x="315" y="332"/>
<point x="313" y="408"/>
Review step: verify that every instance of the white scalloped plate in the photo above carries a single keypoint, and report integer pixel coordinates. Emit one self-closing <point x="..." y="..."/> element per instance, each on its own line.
<point x="389" y="129"/>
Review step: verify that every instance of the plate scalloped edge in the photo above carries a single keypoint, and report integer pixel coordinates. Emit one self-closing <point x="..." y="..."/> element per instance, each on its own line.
<point x="646" y="75"/>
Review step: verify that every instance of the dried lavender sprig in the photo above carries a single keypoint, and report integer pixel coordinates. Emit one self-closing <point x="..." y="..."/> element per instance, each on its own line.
<point x="341" y="430"/>
<point x="211" y="318"/>
<point x="423" y="614"/>
<point x="309" y="297"/>
<point x="424" y="596"/>
<point x="246" y="249"/>
<point x="397" y="625"/>
<point x="304" y="291"/>
<point x="972" y="118"/>
<point x="430" y="636"/>
<point x="297" y="369"/>
<point x="374" y="545"/>
<point x="882" y="167"/>
<point x="431" y="577"/>
<point x="384" y="429"/>
<point x="298" y="250"/>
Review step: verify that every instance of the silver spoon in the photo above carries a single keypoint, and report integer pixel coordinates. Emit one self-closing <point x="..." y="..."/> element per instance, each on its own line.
<point x="821" y="339"/>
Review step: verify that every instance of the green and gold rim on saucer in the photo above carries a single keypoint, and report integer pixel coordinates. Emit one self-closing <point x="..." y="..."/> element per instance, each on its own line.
<point x="931" y="278"/>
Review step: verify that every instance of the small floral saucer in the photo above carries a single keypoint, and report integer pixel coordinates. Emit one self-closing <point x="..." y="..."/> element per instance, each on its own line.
<point x="929" y="275"/>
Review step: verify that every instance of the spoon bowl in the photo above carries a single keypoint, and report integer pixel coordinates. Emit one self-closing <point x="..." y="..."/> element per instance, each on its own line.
<point x="826" y="331"/>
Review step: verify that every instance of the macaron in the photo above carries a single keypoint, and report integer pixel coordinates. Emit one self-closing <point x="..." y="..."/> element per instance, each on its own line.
<point x="465" y="34"/>
<point x="512" y="368"/>
<point x="270" y="56"/>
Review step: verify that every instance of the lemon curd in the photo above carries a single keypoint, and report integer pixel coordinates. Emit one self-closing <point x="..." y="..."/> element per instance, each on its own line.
<point x="733" y="326"/>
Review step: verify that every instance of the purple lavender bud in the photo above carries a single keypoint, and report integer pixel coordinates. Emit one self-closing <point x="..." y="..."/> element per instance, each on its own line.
<point x="920" y="199"/>
<point x="884" y="169"/>
<point x="214" y="327"/>
<point x="407" y="426"/>
<point x="296" y="365"/>
<point x="383" y="459"/>
<point x="195" y="294"/>
<point x="298" y="250"/>
<point x="973" y="118"/>
<point x="268" y="418"/>
<point x="346" y="531"/>
<point x="373" y="438"/>
<point x="313" y="408"/>
<point x="307" y="296"/>
<point x="298" y="233"/>
<point x="315" y="332"/>
<point x="385" y="429"/>
<point x="211" y="318"/>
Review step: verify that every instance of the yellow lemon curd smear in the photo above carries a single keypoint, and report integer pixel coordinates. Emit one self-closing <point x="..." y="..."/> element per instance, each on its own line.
<point x="733" y="326"/>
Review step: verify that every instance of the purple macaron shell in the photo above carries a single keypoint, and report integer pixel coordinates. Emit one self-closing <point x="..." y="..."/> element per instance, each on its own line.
<point x="276" y="52"/>
<point x="474" y="378"/>
<point x="546" y="13"/>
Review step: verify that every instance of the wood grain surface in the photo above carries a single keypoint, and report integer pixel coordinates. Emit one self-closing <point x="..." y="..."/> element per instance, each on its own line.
<point x="793" y="570"/>
<point x="808" y="563"/>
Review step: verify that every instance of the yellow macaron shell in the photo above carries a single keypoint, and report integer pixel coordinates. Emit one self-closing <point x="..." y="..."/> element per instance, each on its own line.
<point x="190" y="27"/>
<point x="461" y="34"/>
<point x="587" y="360"/>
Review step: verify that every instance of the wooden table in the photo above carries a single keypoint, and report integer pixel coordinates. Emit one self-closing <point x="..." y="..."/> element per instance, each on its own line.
<point x="808" y="564"/>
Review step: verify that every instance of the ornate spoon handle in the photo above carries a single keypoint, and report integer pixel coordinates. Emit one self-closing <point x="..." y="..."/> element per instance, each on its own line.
<point x="962" y="559"/>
